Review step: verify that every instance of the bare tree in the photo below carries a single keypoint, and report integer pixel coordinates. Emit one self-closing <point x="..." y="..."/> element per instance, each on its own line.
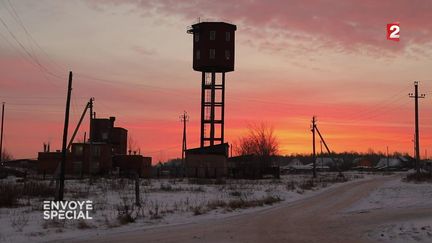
<point x="6" y="156"/>
<point x="132" y="144"/>
<point x="259" y="141"/>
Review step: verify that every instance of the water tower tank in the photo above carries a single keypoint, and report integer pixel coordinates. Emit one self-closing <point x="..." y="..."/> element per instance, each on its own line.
<point x="213" y="46"/>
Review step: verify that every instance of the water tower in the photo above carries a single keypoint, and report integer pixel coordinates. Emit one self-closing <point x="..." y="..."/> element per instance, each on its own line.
<point x="213" y="56"/>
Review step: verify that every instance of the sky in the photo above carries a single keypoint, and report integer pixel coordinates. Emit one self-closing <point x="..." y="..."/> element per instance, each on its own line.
<point x="293" y="60"/>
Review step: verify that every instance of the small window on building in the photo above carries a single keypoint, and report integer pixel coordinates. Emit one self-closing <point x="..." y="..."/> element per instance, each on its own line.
<point x="198" y="55"/>
<point x="196" y="36"/>
<point x="79" y="150"/>
<point x="212" y="54"/>
<point x="227" y="54"/>
<point x="227" y="36"/>
<point x="96" y="151"/>
<point x="212" y="35"/>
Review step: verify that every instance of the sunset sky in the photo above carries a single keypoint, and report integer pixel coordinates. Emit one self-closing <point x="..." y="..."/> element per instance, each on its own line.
<point x="294" y="59"/>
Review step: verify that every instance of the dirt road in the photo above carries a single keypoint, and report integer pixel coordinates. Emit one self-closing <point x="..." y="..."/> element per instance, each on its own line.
<point x="315" y="219"/>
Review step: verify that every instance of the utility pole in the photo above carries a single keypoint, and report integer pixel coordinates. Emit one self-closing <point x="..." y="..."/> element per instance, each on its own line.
<point x="414" y="145"/>
<point x="91" y="134"/>
<point x="416" y="96"/>
<point x="313" y="146"/>
<point x="65" y="132"/>
<point x="328" y="150"/>
<point x="322" y="166"/>
<point x="387" y="159"/>
<point x="1" y="136"/>
<point x="184" y="118"/>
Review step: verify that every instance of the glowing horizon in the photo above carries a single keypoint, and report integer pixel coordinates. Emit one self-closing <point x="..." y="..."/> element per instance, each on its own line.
<point x="294" y="60"/>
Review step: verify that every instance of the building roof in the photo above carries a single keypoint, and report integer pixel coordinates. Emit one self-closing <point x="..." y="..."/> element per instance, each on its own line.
<point x="392" y="162"/>
<point x="219" y="149"/>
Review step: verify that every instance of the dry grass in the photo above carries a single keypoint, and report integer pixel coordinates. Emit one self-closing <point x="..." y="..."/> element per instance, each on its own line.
<point x="19" y="220"/>
<point x="11" y="193"/>
<point x="418" y="178"/>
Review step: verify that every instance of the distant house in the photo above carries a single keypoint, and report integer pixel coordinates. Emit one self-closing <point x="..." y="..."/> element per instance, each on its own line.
<point x="295" y="165"/>
<point x="323" y="162"/>
<point x="131" y="164"/>
<point x="427" y="165"/>
<point x="395" y="163"/>
<point x="362" y="163"/>
<point x="253" y="167"/>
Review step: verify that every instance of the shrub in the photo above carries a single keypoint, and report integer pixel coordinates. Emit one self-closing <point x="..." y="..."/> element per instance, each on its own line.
<point x="205" y="181"/>
<point x="242" y="203"/>
<point x="307" y="184"/>
<point x="9" y="195"/>
<point x="126" y="212"/>
<point x="291" y="186"/>
<point x="414" y="177"/>
<point x="166" y="187"/>
<point x="82" y="224"/>
<point x="198" y="210"/>
<point x="236" y="194"/>
<point x="154" y="214"/>
<point x="216" y="204"/>
<point x="19" y="220"/>
<point x="37" y="189"/>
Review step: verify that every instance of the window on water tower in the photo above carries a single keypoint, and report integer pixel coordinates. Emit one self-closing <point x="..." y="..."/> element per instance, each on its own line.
<point x="198" y="55"/>
<point x="227" y="36"/>
<point x="227" y="54"/>
<point x="212" y="35"/>
<point x="196" y="36"/>
<point x="212" y="54"/>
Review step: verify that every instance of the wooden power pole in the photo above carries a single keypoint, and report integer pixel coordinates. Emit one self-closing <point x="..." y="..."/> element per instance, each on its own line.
<point x="91" y="135"/>
<point x="1" y="135"/>
<point x="64" y="148"/>
<point x="313" y="146"/>
<point x="416" y="96"/>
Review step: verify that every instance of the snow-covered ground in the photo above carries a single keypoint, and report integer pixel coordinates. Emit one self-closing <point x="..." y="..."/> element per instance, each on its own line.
<point x="163" y="202"/>
<point x="398" y="194"/>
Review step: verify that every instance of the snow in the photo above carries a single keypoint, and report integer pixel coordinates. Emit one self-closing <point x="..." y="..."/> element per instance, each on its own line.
<point x="396" y="194"/>
<point x="401" y="232"/>
<point x="399" y="195"/>
<point x="164" y="202"/>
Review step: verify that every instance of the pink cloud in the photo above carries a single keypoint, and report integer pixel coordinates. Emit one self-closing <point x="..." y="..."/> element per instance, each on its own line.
<point x="348" y="26"/>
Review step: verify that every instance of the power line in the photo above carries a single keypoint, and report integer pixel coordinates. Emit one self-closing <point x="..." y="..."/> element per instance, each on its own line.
<point x="32" y="58"/>
<point x="18" y="19"/>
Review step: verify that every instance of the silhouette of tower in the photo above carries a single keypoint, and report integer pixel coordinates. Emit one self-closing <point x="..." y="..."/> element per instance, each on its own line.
<point x="213" y="56"/>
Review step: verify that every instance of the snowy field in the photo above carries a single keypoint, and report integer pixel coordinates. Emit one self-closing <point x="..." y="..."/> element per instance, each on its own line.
<point x="398" y="194"/>
<point x="163" y="202"/>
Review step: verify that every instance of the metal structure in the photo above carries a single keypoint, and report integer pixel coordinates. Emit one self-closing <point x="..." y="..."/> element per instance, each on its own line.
<point x="184" y="119"/>
<point x="213" y="48"/>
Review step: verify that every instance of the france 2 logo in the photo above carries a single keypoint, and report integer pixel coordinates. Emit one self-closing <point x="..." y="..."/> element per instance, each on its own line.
<point x="393" y="30"/>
